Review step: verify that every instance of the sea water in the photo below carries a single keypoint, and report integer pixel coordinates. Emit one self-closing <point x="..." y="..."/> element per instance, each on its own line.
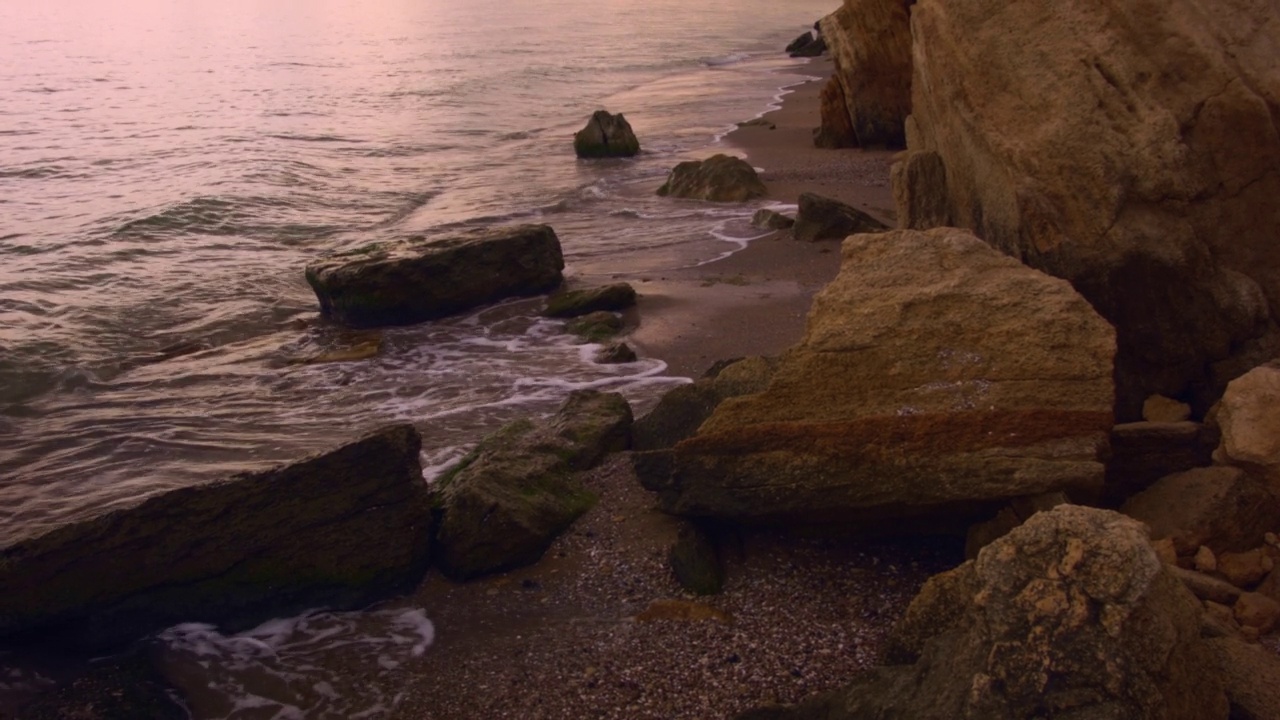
<point x="168" y="168"/>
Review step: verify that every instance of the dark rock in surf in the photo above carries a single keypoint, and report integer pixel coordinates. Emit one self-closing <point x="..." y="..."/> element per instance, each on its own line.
<point x="800" y="42"/>
<point x="340" y="529"/>
<point x="401" y="282"/>
<point x="811" y="49"/>
<point x="821" y="218"/>
<point x="616" y="354"/>
<point x="719" y="178"/>
<point x="597" y="326"/>
<point x="574" y="303"/>
<point x="606" y="135"/>
<point x="505" y="503"/>
<point x="767" y="219"/>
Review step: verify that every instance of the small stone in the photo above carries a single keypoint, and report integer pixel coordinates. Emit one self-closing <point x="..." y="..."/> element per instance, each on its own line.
<point x="1166" y="551"/>
<point x="1161" y="409"/>
<point x="615" y="354"/>
<point x="1218" y="621"/>
<point x="1244" y="569"/>
<point x="596" y="326"/>
<point x="1207" y="587"/>
<point x="1205" y="561"/>
<point x="1258" y="611"/>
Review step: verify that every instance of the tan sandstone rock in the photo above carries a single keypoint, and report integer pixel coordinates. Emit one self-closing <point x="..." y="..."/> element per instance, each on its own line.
<point x="1069" y="616"/>
<point x="1245" y="569"/>
<point x="1220" y="507"/>
<point x="935" y="375"/>
<point x="1249" y="416"/>
<point x="1129" y="147"/>
<point x="1256" y="610"/>
<point x="870" y="43"/>
<point x="1161" y="409"/>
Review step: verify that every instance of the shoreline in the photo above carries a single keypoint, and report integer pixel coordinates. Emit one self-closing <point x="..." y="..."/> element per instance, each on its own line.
<point x="755" y="301"/>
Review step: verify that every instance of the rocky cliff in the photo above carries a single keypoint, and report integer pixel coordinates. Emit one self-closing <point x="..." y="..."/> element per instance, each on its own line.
<point x="870" y="44"/>
<point x="1132" y="148"/>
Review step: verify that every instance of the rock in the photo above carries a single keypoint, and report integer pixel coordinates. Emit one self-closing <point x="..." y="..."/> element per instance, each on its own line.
<point x="1270" y="585"/>
<point x="1256" y="610"/>
<point x="596" y="327"/>
<point x="1205" y="561"/>
<point x="870" y="44"/>
<point x="835" y="130"/>
<point x="1219" y="621"/>
<point x="719" y="178"/>
<point x="606" y="135"/>
<point x="616" y="354"/>
<point x="340" y="529"/>
<point x="1142" y="453"/>
<point x="821" y="218"/>
<point x="1166" y="551"/>
<point x="573" y="303"/>
<point x="683" y="408"/>
<point x="682" y="611"/>
<point x="1009" y="517"/>
<point x="1073" y="617"/>
<point x="919" y="184"/>
<point x="1245" y="569"/>
<point x="767" y="219"/>
<point x="936" y="379"/>
<point x="1249" y="416"/>
<point x="812" y="49"/>
<point x="1206" y="587"/>
<point x="1100" y="143"/>
<point x="1251" y="677"/>
<point x="1219" y="507"/>
<point x="424" y="278"/>
<point x="1160" y="409"/>
<point x="800" y="42"/>
<point x="695" y="561"/>
<point x="938" y="608"/>
<point x="505" y="502"/>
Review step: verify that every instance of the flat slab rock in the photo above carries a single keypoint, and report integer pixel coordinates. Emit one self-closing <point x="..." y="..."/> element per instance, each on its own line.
<point x="340" y="529"/>
<point x="936" y="374"/>
<point x="400" y="282"/>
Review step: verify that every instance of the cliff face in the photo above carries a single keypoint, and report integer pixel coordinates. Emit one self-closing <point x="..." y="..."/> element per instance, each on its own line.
<point x="1132" y="148"/>
<point x="870" y="43"/>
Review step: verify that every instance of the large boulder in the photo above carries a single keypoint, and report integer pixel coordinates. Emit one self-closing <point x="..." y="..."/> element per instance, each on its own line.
<point x="505" y="503"/>
<point x="836" y="129"/>
<point x="936" y="378"/>
<point x="821" y="218"/>
<point x="1221" y="508"/>
<point x="339" y="529"/>
<point x="719" y="178"/>
<point x="1128" y="147"/>
<point x="1069" y="616"/>
<point x="1249" y="417"/>
<point x="870" y="44"/>
<point x="606" y="135"/>
<point x="400" y="282"/>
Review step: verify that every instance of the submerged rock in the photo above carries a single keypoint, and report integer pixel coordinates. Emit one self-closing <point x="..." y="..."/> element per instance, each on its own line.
<point x="421" y="278"/>
<point x="606" y="135"/>
<point x="508" y="499"/>
<point x="800" y="41"/>
<point x="340" y="529"/>
<point x="1070" y="615"/>
<point x="937" y="378"/>
<point x="573" y="303"/>
<point x="596" y="326"/>
<point x="821" y="218"/>
<point x="719" y="178"/>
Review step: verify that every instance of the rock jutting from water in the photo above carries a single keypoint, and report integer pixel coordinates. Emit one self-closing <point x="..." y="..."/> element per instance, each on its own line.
<point x="574" y="303"/>
<point x="339" y="529"/>
<point x="400" y="282"/>
<point x="606" y="135"/>
<point x="936" y="377"/>
<point x="719" y="178"/>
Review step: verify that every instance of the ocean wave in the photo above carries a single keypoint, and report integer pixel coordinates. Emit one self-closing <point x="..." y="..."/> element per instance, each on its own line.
<point x="730" y="59"/>
<point x="298" y="137"/>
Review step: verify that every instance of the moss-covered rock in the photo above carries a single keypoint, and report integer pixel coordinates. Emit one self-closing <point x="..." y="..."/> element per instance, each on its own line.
<point x="421" y="278"/>
<point x="719" y="178"/>
<point x="340" y="529"/>
<point x="597" y="326"/>
<point x="575" y="303"/>
<point x="503" y="505"/>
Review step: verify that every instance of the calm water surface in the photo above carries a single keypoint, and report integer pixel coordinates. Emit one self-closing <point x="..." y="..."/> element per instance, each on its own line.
<point x="167" y="168"/>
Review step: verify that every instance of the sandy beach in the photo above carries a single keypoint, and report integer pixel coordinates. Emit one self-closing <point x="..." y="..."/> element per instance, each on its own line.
<point x="799" y="615"/>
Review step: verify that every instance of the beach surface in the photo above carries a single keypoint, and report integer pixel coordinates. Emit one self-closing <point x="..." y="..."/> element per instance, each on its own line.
<point x="599" y="628"/>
